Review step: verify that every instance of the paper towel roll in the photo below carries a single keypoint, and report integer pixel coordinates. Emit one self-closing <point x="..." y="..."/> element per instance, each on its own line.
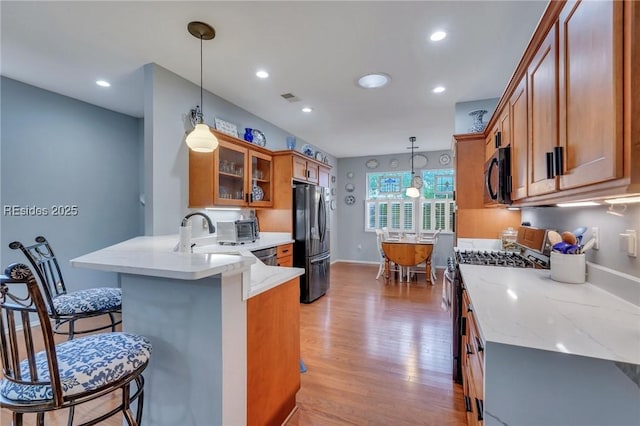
<point x="185" y="239"/>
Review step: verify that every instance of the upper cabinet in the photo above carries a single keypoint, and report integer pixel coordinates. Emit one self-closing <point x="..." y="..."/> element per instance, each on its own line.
<point x="305" y="169"/>
<point x="572" y="106"/>
<point x="542" y="76"/>
<point x="591" y="96"/>
<point x="235" y="174"/>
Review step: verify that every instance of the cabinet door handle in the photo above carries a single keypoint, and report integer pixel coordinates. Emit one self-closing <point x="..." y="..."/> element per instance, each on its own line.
<point x="480" y="409"/>
<point x="251" y="197"/>
<point x="246" y="197"/>
<point x="308" y="173"/>
<point x="479" y="344"/>
<point x="463" y="326"/>
<point x="498" y="139"/>
<point x="558" y="155"/>
<point x="550" y="170"/>
<point x="469" y="351"/>
<point x="467" y="404"/>
<point x="285" y="251"/>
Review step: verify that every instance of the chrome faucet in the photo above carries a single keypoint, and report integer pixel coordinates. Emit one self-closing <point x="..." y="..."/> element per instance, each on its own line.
<point x="212" y="228"/>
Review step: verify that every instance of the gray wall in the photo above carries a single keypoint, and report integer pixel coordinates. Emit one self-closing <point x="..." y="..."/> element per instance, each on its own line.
<point x="356" y="244"/>
<point x="462" y="110"/>
<point x="570" y="218"/>
<point x="60" y="151"/>
<point x="168" y="99"/>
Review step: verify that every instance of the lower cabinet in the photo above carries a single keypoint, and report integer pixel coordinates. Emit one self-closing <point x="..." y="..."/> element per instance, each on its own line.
<point x="284" y="255"/>
<point x="273" y="354"/>
<point x="472" y="364"/>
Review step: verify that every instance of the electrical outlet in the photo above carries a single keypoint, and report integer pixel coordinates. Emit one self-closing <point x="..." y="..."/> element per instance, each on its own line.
<point x="628" y="242"/>
<point x="595" y="234"/>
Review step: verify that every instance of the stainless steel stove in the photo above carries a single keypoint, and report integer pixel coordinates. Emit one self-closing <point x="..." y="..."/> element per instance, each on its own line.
<point x="533" y="253"/>
<point x="493" y="258"/>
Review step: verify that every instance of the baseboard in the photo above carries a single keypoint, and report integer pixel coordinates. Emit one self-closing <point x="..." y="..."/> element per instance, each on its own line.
<point x="295" y="408"/>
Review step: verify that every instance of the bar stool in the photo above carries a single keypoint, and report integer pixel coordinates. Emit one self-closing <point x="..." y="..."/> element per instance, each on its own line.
<point x="68" y="307"/>
<point x="64" y="375"/>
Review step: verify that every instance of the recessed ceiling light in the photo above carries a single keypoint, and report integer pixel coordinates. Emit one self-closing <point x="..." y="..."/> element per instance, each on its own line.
<point x="307" y="109"/>
<point x="373" y="81"/>
<point x="103" y="83"/>
<point x="438" y="89"/>
<point x="438" y="35"/>
<point x="262" y="74"/>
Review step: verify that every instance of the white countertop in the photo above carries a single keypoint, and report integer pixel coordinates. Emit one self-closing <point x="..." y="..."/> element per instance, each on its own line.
<point x="155" y="256"/>
<point x="524" y="307"/>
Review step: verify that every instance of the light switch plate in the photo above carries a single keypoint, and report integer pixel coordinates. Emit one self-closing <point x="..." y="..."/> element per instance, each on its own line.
<point x="629" y="242"/>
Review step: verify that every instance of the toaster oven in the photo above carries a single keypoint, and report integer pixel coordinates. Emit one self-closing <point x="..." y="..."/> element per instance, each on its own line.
<point x="238" y="232"/>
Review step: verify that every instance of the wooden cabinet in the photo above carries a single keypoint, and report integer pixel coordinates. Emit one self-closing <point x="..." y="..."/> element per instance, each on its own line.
<point x="472" y="219"/>
<point x="591" y="97"/>
<point x="305" y="169"/>
<point x="519" y="131"/>
<point x="287" y="169"/>
<point x="284" y="255"/>
<point x="576" y="113"/>
<point x="542" y="76"/>
<point x="273" y="354"/>
<point x="235" y="174"/>
<point x="472" y="364"/>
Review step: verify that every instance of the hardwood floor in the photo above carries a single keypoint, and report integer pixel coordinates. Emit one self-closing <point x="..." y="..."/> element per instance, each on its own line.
<point x="376" y="354"/>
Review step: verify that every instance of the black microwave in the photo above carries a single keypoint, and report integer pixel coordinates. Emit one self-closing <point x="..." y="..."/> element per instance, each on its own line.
<point x="497" y="177"/>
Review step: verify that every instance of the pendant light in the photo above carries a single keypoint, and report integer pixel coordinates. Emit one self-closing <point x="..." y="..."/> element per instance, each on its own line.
<point x="201" y="139"/>
<point x="412" y="191"/>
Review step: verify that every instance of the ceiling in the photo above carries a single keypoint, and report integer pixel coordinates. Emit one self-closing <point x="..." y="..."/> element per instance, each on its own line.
<point x="315" y="50"/>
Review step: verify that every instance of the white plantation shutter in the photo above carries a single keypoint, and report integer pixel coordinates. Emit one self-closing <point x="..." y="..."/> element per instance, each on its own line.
<point x="371" y="215"/>
<point x="408" y="224"/>
<point x="395" y="216"/>
<point x="436" y="214"/>
<point x="383" y="215"/>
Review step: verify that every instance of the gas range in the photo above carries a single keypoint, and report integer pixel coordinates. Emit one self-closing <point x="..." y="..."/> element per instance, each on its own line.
<point x="493" y="258"/>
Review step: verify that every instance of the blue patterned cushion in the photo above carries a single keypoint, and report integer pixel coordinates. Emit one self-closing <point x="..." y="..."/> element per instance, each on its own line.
<point x="90" y="300"/>
<point x="85" y="364"/>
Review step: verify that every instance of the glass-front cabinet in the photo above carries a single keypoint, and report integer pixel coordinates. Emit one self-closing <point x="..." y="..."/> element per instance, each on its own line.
<point x="235" y="174"/>
<point x="243" y="176"/>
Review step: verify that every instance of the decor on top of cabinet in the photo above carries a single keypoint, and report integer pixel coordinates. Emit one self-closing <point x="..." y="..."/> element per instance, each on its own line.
<point x="478" y="125"/>
<point x="248" y="134"/>
<point x="226" y="127"/>
<point x="258" y="137"/>
<point x="308" y="150"/>
<point x="200" y="139"/>
<point x="291" y="142"/>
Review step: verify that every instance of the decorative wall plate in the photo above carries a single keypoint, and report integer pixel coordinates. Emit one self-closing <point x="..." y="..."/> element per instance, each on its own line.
<point x="349" y="187"/>
<point x="319" y="156"/>
<point x="349" y="200"/>
<point x="349" y="175"/>
<point x="393" y="163"/>
<point x="445" y="159"/>
<point x="333" y="204"/>
<point x="372" y="164"/>
<point x="419" y="161"/>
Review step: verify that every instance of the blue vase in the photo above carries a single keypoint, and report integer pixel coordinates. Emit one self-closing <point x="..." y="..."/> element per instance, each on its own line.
<point x="248" y="134"/>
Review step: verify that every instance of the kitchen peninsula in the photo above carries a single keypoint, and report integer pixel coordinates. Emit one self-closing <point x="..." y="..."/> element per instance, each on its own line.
<point x="203" y="313"/>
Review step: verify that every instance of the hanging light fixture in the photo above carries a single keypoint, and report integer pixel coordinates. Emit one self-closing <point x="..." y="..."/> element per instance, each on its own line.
<point x="413" y="190"/>
<point x="201" y="139"/>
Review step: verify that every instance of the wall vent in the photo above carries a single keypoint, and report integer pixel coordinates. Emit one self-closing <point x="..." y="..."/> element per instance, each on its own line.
<point x="290" y="97"/>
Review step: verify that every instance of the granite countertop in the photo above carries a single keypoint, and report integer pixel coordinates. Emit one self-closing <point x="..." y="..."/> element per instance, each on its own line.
<point x="155" y="256"/>
<point x="524" y="307"/>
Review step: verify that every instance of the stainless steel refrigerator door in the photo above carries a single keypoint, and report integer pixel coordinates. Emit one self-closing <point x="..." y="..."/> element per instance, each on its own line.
<point x="311" y="220"/>
<point x="315" y="282"/>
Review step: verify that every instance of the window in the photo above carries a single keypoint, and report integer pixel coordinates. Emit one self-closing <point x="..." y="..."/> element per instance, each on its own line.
<point x="388" y="206"/>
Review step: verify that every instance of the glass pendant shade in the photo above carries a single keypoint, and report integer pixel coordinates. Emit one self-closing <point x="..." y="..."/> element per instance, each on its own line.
<point x="201" y="139"/>
<point x="413" y="192"/>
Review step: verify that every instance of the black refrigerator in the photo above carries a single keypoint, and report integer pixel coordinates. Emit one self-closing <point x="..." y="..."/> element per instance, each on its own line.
<point x="311" y="235"/>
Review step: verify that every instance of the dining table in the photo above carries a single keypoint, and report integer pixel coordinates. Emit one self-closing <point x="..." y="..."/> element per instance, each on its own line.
<point x="408" y="252"/>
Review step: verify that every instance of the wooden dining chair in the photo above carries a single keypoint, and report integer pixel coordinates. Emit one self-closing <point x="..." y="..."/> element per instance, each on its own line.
<point x="68" y="307"/>
<point x="64" y="375"/>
